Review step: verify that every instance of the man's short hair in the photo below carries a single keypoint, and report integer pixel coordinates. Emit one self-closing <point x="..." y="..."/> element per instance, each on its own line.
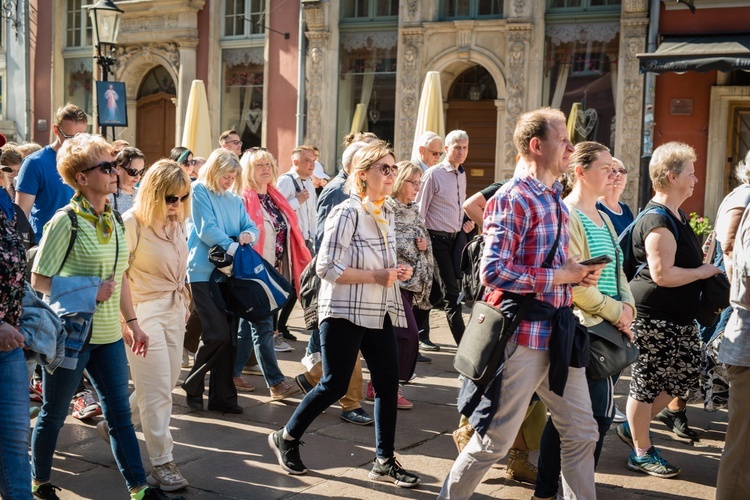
<point x="225" y="134"/>
<point x="456" y="136"/>
<point x="534" y="124"/>
<point x="10" y="156"/>
<point x="426" y="138"/>
<point x="296" y="151"/>
<point x="70" y="112"/>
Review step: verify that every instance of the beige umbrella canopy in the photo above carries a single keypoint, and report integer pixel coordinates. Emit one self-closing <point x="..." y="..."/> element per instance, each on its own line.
<point x="196" y="135"/>
<point x="430" y="117"/>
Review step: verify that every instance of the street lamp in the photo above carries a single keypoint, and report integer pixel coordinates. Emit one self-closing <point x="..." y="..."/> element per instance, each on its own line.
<point x="105" y="18"/>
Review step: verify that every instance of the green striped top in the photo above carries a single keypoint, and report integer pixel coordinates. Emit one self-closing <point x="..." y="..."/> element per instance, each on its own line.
<point x="87" y="258"/>
<point x="601" y="242"/>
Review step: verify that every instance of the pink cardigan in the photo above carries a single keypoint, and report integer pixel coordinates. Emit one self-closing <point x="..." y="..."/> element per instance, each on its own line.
<point x="300" y="255"/>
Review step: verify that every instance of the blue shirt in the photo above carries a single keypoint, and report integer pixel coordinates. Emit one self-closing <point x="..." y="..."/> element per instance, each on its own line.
<point x="39" y="177"/>
<point x="214" y="219"/>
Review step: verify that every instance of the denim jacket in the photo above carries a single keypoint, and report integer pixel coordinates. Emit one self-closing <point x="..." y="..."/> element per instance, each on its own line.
<point x="73" y="298"/>
<point x="42" y="330"/>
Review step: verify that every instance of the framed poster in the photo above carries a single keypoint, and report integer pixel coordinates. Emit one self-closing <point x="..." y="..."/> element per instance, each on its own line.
<point x="111" y="104"/>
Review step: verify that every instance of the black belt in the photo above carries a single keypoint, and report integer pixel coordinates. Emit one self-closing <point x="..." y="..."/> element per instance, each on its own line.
<point x="442" y="233"/>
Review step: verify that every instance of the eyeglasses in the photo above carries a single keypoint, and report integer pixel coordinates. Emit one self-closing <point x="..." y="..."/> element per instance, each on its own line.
<point x="620" y="171"/>
<point x="189" y="163"/>
<point x="133" y="172"/>
<point x="65" y="136"/>
<point x="172" y="199"/>
<point x="416" y="184"/>
<point x="107" y="168"/>
<point x="436" y="154"/>
<point x="235" y="142"/>
<point x="387" y="169"/>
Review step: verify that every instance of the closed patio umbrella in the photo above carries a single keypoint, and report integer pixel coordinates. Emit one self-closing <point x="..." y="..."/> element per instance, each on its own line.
<point x="196" y="135"/>
<point x="430" y="115"/>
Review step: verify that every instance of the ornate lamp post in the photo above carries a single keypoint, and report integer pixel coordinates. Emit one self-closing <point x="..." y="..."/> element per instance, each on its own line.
<point x="105" y="20"/>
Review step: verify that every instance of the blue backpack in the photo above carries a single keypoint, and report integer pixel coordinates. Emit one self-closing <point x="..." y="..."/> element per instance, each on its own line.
<point x="630" y="265"/>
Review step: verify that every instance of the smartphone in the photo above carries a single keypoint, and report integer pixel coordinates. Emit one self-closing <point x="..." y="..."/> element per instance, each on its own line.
<point x="602" y="259"/>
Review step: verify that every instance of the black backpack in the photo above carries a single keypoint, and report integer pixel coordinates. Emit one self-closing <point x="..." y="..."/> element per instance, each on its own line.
<point x="471" y="257"/>
<point x="630" y="265"/>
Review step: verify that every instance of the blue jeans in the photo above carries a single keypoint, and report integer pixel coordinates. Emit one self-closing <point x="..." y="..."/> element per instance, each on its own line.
<point x="313" y="345"/>
<point x="15" y="473"/>
<point x="340" y="342"/>
<point x="259" y="336"/>
<point x="107" y="368"/>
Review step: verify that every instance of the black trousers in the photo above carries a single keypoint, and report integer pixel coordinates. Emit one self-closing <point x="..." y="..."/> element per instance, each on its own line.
<point x="443" y="248"/>
<point x="216" y="354"/>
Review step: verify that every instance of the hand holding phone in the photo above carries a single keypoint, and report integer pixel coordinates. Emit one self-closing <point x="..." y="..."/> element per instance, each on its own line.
<point x="601" y="259"/>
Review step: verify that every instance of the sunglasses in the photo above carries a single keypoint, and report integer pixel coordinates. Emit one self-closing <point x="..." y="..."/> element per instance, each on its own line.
<point x="133" y="172"/>
<point x="620" y="171"/>
<point x="436" y="154"/>
<point x="65" y="136"/>
<point x="172" y="199"/>
<point x="189" y="163"/>
<point x="387" y="170"/>
<point x="107" y="168"/>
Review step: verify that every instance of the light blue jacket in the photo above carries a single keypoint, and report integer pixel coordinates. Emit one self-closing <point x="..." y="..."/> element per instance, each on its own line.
<point x="42" y="331"/>
<point x="215" y="219"/>
<point x="73" y="299"/>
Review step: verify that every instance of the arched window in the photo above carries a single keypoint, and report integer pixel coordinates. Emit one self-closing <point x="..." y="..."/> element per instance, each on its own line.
<point x="157" y="80"/>
<point x="474" y="84"/>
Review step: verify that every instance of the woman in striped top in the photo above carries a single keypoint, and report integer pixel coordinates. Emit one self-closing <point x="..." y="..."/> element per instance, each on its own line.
<point x="94" y="269"/>
<point x="591" y="173"/>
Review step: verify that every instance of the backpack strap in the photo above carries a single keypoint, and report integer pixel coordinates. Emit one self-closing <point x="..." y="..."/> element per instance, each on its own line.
<point x="672" y="225"/>
<point x="73" y="234"/>
<point x="294" y="181"/>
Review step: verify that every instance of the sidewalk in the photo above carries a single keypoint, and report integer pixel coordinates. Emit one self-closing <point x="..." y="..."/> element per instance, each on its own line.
<point x="227" y="456"/>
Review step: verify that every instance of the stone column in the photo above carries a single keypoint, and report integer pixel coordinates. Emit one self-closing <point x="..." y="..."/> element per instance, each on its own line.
<point x="185" y="79"/>
<point x="407" y="90"/>
<point x="629" y="105"/>
<point x="518" y="39"/>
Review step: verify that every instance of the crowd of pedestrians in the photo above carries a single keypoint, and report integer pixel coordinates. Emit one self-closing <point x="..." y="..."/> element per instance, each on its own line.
<point x="130" y="260"/>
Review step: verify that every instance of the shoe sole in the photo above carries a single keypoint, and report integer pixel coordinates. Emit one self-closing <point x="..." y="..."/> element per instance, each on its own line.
<point x="245" y="389"/>
<point x="277" y="452"/>
<point x="400" y="484"/>
<point x="625" y="439"/>
<point x="520" y="479"/>
<point x="429" y="348"/>
<point x="283" y="350"/>
<point x="252" y="372"/>
<point x="86" y="415"/>
<point x="404" y="407"/>
<point x="165" y="487"/>
<point x="651" y="473"/>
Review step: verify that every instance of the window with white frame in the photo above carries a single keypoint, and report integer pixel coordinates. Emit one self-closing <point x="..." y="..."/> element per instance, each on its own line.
<point x="369" y="10"/>
<point x="244" y="18"/>
<point x="78" y="65"/>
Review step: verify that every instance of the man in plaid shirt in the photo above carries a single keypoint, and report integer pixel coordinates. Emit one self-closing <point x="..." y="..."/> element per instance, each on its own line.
<point x="520" y="228"/>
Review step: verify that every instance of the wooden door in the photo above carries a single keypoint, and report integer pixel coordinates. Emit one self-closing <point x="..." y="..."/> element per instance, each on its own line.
<point x="479" y="120"/>
<point x="155" y="126"/>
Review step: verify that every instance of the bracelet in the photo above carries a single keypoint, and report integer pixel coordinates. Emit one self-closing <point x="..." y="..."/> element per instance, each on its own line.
<point x="131" y="320"/>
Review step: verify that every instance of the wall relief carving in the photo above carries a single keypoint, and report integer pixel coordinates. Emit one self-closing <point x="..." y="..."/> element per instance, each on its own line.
<point x="518" y="48"/>
<point x="126" y="53"/>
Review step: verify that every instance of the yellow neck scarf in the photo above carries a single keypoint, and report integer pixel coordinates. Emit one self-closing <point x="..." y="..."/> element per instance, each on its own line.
<point x="104" y="221"/>
<point x="375" y="208"/>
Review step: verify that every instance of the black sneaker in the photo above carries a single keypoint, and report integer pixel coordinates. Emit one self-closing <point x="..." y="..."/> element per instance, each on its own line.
<point x="423" y="359"/>
<point x="427" y="345"/>
<point x="677" y="422"/>
<point x="392" y="471"/>
<point x="287" y="334"/>
<point x="157" y="494"/>
<point x="47" y="491"/>
<point x="303" y="384"/>
<point x="287" y="453"/>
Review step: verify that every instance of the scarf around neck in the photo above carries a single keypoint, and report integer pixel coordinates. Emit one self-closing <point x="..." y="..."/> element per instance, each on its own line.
<point x="104" y="221"/>
<point x="375" y="208"/>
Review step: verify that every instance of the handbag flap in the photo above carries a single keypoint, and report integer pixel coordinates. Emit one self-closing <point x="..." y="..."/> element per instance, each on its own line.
<point x="606" y="331"/>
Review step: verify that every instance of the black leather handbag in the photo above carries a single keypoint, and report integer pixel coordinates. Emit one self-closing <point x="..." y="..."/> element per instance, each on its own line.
<point x="611" y="350"/>
<point x="482" y="347"/>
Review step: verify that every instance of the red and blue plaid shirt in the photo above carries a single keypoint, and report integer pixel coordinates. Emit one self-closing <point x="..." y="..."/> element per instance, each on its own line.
<point x="520" y="226"/>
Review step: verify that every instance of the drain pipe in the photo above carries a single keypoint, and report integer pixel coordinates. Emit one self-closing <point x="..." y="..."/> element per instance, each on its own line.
<point x="648" y="106"/>
<point x="301" y="77"/>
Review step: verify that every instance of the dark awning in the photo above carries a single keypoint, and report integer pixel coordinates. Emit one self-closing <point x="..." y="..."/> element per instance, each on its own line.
<point x="698" y="53"/>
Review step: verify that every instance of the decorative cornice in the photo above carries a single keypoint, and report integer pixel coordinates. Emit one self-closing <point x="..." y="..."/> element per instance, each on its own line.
<point x="582" y="32"/>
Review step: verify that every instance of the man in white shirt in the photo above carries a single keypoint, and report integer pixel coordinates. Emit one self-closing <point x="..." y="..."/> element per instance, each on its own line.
<point x="430" y="150"/>
<point x="297" y="186"/>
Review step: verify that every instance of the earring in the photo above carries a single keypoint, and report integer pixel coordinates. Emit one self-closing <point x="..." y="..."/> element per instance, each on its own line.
<point x="364" y="184"/>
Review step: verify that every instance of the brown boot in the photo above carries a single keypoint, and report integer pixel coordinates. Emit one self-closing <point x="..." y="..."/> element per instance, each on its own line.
<point x="462" y="436"/>
<point x="519" y="467"/>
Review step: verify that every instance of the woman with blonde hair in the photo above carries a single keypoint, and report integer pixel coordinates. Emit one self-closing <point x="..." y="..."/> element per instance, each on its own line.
<point x="359" y="302"/>
<point x="94" y="268"/>
<point x="156" y="275"/>
<point x="281" y="243"/>
<point x="218" y="217"/>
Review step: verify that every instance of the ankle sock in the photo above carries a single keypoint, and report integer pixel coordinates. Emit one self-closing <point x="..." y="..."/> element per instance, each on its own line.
<point x="286" y="435"/>
<point x="639" y="452"/>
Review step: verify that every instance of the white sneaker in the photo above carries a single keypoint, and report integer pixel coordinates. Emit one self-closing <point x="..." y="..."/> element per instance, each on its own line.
<point x="619" y="416"/>
<point x="279" y="345"/>
<point x="167" y="477"/>
<point x="187" y="358"/>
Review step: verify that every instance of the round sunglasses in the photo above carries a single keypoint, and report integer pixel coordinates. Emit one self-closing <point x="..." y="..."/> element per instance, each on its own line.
<point x="173" y="199"/>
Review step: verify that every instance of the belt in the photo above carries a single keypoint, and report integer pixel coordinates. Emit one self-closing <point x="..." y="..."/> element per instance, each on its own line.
<point x="442" y="233"/>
